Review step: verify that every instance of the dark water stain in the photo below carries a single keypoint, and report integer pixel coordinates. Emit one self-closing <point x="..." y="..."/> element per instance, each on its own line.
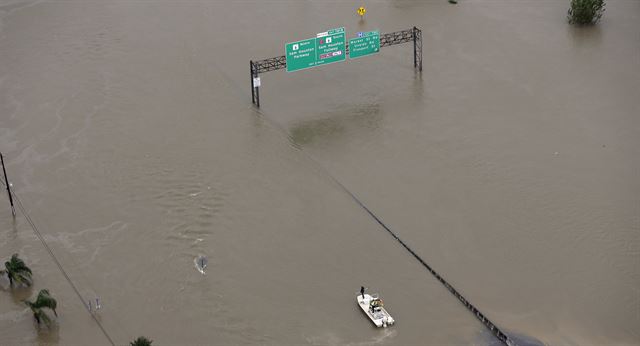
<point x="337" y="123"/>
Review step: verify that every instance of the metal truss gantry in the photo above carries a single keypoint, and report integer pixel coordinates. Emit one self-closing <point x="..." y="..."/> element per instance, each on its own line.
<point x="389" y="39"/>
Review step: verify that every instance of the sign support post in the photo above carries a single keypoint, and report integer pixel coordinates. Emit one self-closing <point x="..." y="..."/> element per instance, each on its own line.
<point x="253" y="95"/>
<point x="257" y="95"/>
<point x="255" y="87"/>
<point x="417" y="48"/>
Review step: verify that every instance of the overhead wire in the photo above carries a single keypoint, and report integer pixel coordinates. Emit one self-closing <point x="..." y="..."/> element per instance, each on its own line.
<point x="56" y="261"/>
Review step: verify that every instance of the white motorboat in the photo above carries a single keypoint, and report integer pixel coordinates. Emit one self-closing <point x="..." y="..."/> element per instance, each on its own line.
<point x="373" y="306"/>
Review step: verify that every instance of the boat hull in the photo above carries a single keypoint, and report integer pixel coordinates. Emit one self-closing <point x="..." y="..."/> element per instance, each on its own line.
<point x="380" y="317"/>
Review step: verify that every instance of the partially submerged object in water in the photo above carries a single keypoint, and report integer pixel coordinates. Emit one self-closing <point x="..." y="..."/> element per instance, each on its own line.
<point x="201" y="263"/>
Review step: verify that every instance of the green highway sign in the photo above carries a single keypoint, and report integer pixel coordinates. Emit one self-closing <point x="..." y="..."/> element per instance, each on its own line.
<point x="366" y="43"/>
<point x="326" y="48"/>
<point x="331" y="46"/>
<point x="301" y="54"/>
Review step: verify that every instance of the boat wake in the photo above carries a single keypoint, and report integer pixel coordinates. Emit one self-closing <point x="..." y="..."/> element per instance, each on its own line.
<point x="333" y="340"/>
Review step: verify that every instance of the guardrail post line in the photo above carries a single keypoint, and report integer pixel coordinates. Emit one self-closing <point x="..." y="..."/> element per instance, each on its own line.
<point x="6" y="181"/>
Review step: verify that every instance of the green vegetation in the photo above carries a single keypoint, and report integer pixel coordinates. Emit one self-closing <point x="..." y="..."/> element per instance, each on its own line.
<point x="585" y="12"/>
<point x="17" y="271"/>
<point x="44" y="300"/>
<point x="141" y="341"/>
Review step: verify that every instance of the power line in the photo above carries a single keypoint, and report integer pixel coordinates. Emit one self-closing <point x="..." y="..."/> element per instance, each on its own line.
<point x="55" y="259"/>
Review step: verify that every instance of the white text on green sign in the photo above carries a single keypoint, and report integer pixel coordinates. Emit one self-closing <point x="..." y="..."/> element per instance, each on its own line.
<point x="327" y="47"/>
<point x="366" y="43"/>
<point x="301" y="54"/>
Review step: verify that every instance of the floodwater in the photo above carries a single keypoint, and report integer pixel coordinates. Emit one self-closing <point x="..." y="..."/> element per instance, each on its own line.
<point x="510" y="164"/>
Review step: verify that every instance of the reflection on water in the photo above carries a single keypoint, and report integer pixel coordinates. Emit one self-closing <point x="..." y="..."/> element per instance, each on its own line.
<point x="18" y="292"/>
<point x="588" y="37"/>
<point x="519" y="339"/>
<point x="330" y="126"/>
<point x="384" y="337"/>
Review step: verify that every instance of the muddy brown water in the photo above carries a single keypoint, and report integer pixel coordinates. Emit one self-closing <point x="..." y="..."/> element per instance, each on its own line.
<point x="511" y="165"/>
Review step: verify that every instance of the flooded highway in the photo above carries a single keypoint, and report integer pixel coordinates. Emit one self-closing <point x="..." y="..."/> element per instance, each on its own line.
<point x="510" y="164"/>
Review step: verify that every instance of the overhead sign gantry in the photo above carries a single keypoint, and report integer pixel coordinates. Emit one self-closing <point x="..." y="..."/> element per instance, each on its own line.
<point x="328" y="47"/>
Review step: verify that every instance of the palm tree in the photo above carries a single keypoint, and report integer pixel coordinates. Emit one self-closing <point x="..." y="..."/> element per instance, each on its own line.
<point x="17" y="271"/>
<point x="43" y="300"/>
<point x="141" y="341"/>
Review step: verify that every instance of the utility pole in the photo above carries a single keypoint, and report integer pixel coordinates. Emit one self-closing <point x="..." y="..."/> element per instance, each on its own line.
<point x="6" y="182"/>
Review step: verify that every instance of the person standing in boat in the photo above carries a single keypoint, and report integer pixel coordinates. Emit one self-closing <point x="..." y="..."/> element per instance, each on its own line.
<point x="362" y="291"/>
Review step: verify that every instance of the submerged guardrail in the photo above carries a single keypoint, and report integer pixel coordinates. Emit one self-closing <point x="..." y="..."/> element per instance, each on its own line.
<point x="410" y="35"/>
<point x="479" y="315"/>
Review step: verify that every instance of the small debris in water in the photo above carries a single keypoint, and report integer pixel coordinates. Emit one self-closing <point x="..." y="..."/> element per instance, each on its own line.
<point x="90" y="305"/>
<point x="201" y="263"/>
<point x="453" y="1"/>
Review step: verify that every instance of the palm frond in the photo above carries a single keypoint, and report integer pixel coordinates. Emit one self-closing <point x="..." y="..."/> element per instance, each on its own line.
<point x="22" y="278"/>
<point x="29" y="304"/>
<point x="24" y="269"/>
<point x="141" y="341"/>
<point x="44" y="299"/>
<point x="18" y="264"/>
<point x="17" y="271"/>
